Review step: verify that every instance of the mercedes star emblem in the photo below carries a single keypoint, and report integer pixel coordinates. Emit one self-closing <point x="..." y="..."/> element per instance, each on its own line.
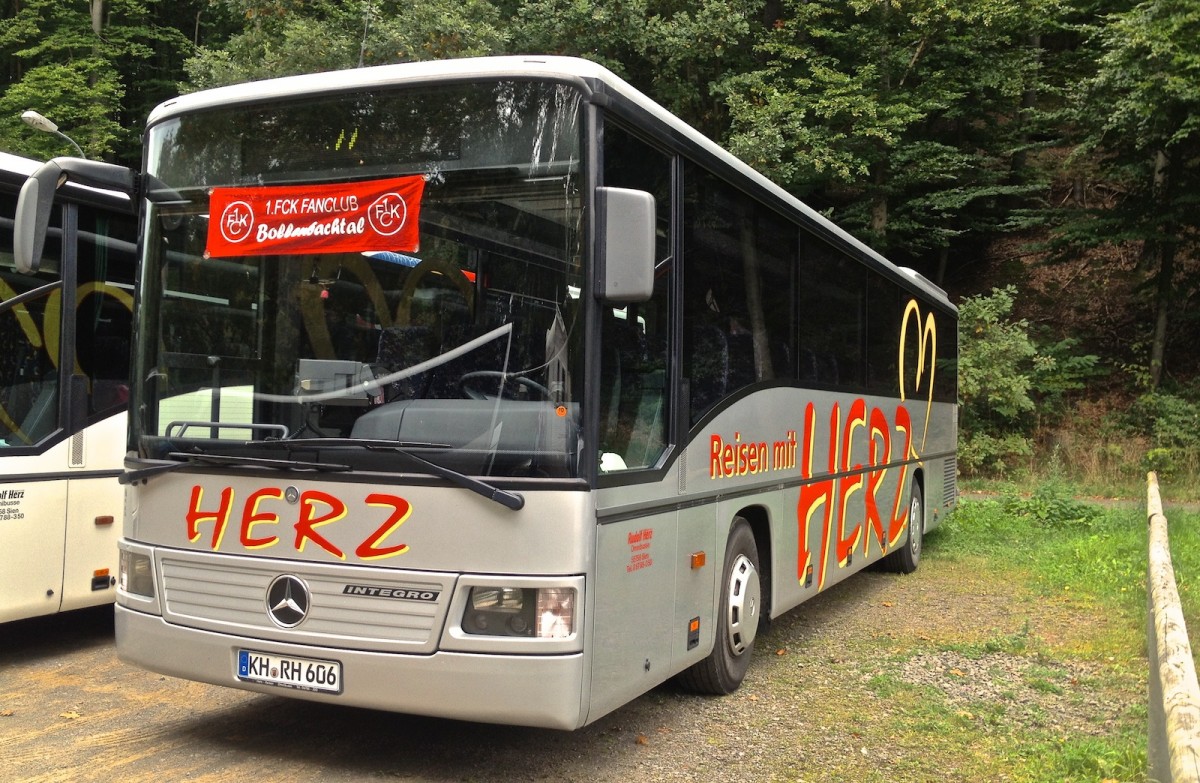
<point x="287" y="601"/>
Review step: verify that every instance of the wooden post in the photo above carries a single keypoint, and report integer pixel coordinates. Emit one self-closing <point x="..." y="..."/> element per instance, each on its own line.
<point x="1174" y="733"/>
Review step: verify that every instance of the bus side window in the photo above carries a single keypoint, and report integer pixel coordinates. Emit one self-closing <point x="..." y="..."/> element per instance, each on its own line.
<point x="104" y="309"/>
<point x="635" y="339"/>
<point x="739" y="274"/>
<point x="833" y="295"/>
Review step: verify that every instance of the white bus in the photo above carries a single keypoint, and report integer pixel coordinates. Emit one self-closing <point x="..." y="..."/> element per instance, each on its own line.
<point x="488" y="389"/>
<point x="64" y="389"/>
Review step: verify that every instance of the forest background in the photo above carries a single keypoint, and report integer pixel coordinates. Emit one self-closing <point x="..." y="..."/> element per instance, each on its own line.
<point x="1038" y="159"/>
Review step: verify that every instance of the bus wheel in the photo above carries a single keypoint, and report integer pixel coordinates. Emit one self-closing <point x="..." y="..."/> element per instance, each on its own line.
<point x="906" y="559"/>
<point x="741" y="603"/>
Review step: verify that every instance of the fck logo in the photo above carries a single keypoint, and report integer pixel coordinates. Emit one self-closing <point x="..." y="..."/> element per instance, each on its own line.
<point x="236" y="221"/>
<point x="387" y="214"/>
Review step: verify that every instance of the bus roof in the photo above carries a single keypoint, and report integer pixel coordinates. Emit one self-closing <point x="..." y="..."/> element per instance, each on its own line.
<point x="15" y="169"/>
<point x="592" y="78"/>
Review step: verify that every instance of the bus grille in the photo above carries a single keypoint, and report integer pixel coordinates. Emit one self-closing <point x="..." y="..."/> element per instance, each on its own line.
<point x="950" y="481"/>
<point x="363" y="608"/>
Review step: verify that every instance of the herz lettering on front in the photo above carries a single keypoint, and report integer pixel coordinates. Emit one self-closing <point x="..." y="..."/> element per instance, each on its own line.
<point x="316" y="515"/>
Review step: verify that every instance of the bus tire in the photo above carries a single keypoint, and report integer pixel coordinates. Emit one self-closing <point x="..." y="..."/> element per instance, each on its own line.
<point x="737" y="624"/>
<point x="906" y="559"/>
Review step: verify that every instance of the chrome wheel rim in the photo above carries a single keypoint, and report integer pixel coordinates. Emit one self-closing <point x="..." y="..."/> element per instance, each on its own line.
<point x="916" y="525"/>
<point x="745" y="598"/>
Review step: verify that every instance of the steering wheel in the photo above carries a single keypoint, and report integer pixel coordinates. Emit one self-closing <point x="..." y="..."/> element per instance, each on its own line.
<point x="468" y="390"/>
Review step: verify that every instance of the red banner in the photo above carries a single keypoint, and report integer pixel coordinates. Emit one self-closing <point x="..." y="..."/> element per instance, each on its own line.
<point x="346" y="217"/>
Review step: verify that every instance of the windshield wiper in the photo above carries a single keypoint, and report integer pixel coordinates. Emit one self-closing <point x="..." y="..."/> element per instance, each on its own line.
<point x="346" y="443"/>
<point x="182" y="458"/>
<point x="512" y="500"/>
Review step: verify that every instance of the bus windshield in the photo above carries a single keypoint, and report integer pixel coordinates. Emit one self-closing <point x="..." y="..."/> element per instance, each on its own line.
<point x="339" y="278"/>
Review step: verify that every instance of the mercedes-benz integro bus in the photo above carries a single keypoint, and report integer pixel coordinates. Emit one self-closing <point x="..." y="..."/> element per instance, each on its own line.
<point x="488" y="389"/>
<point x="64" y="389"/>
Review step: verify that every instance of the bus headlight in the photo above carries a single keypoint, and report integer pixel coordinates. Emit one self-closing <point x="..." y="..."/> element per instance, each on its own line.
<point x="136" y="574"/>
<point x="542" y="613"/>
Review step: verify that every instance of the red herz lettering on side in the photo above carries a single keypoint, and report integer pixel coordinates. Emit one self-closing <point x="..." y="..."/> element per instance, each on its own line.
<point x="824" y="502"/>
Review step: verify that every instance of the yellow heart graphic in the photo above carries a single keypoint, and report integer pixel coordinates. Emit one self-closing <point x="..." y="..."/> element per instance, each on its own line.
<point x="926" y="346"/>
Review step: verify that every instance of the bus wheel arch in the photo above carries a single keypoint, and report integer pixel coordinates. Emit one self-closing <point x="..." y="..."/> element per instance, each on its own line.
<point x="723" y="670"/>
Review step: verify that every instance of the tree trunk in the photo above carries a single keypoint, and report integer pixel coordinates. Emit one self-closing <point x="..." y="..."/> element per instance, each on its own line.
<point x="1164" y="251"/>
<point x="943" y="262"/>
<point x="97" y="16"/>
<point x="1162" y="305"/>
<point x="879" y="200"/>
<point x="879" y="169"/>
<point x="1029" y="98"/>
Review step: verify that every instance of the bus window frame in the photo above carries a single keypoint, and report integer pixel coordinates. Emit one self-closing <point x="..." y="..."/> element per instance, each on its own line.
<point x="634" y="121"/>
<point x="71" y="413"/>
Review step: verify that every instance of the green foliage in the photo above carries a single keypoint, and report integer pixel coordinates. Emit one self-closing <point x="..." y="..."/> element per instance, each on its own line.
<point x="1172" y="425"/>
<point x="1090" y="759"/>
<point x="1184" y="531"/>
<point x="1052" y="506"/>
<point x="995" y="366"/>
<point x="996" y="356"/>
<point x="283" y="39"/>
<point x="1138" y="118"/>
<point x="1004" y="378"/>
<point x="1171" y="421"/>
<point x="97" y="85"/>
<point x="994" y="454"/>
<point x="1146" y="77"/>
<point x="1059" y="372"/>
<point x="55" y="90"/>
<point x="903" y="110"/>
<point x="681" y="53"/>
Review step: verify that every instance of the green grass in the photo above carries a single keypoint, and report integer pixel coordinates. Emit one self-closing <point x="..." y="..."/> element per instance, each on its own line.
<point x="1085" y="759"/>
<point x="1091" y="558"/>
<point x="1024" y="661"/>
<point x="1076" y="547"/>
<point x="1046" y="680"/>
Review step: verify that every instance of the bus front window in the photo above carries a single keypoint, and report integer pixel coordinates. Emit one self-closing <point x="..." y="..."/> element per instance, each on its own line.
<point x="393" y="267"/>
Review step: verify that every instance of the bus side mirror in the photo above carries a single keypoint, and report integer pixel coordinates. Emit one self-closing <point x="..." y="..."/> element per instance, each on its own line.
<point x="36" y="201"/>
<point x="626" y="225"/>
<point x="32" y="219"/>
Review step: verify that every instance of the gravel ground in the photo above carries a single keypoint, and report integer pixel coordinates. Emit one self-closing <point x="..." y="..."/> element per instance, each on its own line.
<point x="944" y="675"/>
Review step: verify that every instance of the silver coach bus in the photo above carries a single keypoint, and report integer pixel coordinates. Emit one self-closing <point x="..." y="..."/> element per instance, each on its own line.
<point x="488" y="389"/>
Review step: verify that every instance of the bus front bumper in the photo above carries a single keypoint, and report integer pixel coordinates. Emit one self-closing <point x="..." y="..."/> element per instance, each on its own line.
<point x="526" y="690"/>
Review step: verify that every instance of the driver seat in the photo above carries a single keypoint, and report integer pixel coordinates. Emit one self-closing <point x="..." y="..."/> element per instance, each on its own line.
<point x="444" y="383"/>
<point x="401" y="347"/>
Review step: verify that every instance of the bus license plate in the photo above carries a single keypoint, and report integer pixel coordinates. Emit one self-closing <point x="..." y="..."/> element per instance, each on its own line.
<point x="285" y="671"/>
